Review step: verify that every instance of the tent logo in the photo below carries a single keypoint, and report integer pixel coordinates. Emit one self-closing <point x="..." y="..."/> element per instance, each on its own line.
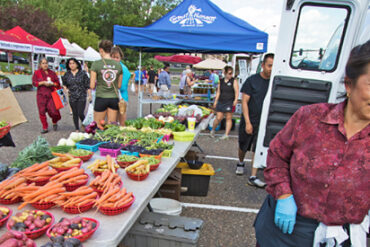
<point x="193" y="18"/>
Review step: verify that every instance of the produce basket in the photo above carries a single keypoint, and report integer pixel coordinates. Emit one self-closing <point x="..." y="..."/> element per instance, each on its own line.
<point x="154" y="167"/>
<point x="184" y="136"/>
<point x="43" y="205"/>
<point x="39" y="232"/>
<point x="4" y="130"/>
<point x="167" y="153"/>
<point x="91" y="148"/>
<point x="98" y="173"/>
<point x="62" y="169"/>
<point x="85" y="157"/>
<point x="101" y="191"/>
<point x="72" y="187"/>
<point x="130" y="153"/>
<point x="124" y="164"/>
<point x="83" y="237"/>
<point x="78" y="210"/>
<point x="8" y="201"/>
<point x="40" y="182"/>
<point x="3" y="220"/>
<point x="137" y="177"/>
<point x="158" y="157"/>
<point x="118" y="210"/>
<point x="112" y="152"/>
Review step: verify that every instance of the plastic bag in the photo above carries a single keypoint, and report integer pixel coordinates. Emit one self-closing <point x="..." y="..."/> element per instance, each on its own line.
<point x="132" y="87"/>
<point x="155" y="89"/>
<point x="89" y="118"/>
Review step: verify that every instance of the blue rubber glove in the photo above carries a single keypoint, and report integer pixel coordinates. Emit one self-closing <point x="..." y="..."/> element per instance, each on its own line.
<point x="285" y="213"/>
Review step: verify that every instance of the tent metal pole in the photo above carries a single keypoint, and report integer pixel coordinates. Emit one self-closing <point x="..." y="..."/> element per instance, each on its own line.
<point x="140" y="94"/>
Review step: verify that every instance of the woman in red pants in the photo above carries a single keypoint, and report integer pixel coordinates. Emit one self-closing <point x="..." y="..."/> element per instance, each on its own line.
<point x="46" y="82"/>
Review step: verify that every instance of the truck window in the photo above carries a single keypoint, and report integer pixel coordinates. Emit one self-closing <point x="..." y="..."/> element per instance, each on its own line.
<point x="319" y="36"/>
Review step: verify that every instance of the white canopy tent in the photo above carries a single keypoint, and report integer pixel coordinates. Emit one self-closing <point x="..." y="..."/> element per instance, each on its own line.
<point x="71" y="51"/>
<point x="210" y="64"/>
<point x="79" y="49"/>
<point x="91" y="54"/>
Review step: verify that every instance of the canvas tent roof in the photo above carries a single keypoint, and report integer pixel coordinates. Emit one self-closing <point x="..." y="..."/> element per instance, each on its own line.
<point x="10" y="43"/>
<point x="179" y="59"/>
<point x="194" y="25"/>
<point x="91" y="54"/>
<point x="66" y="49"/>
<point x="210" y="64"/>
<point x="38" y="45"/>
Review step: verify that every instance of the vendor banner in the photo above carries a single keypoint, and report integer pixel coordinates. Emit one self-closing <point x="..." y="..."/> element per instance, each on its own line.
<point x="10" y="46"/>
<point x="45" y="50"/>
<point x="10" y="111"/>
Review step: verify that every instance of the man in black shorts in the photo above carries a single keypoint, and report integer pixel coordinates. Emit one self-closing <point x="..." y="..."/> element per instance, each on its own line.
<point x="151" y="80"/>
<point x="253" y="93"/>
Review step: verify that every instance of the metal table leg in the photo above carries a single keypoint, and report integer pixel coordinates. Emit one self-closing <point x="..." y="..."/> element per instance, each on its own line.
<point x="195" y="144"/>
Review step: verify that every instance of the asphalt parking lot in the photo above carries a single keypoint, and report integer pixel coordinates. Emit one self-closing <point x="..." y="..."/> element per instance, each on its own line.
<point x="222" y="227"/>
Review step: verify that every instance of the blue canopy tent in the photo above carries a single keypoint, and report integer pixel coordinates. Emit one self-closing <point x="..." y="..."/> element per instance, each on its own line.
<point x="193" y="26"/>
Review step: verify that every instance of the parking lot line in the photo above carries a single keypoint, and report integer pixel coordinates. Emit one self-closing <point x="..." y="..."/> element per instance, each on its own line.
<point x="219" y="207"/>
<point x="225" y="158"/>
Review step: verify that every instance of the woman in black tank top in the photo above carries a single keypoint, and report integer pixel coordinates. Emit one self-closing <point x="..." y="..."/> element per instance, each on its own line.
<point x="225" y="101"/>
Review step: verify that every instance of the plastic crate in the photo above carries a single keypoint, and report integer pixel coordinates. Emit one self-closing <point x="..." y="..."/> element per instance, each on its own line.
<point x="185" y="136"/>
<point x="94" y="148"/>
<point x="159" y="230"/>
<point x="197" y="181"/>
<point x="130" y="153"/>
<point x="112" y="152"/>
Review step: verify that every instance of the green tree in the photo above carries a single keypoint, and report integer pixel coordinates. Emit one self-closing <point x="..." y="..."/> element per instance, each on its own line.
<point x="75" y="33"/>
<point x="33" y="20"/>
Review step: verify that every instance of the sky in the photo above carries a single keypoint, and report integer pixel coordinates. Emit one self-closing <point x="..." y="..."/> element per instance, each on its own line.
<point x="263" y="14"/>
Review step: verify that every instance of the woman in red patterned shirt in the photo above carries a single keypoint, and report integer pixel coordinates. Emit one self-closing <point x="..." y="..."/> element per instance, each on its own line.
<point x="46" y="82"/>
<point x="317" y="171"/>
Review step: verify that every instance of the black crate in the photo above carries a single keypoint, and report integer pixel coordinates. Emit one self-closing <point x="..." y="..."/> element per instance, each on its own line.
<point x="197" y="185"/>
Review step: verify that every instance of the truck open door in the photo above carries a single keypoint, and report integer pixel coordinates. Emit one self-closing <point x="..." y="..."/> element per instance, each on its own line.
<point x="314" y="43"/>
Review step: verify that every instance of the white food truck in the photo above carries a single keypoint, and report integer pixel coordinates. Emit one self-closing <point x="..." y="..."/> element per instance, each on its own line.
<point x="313" y="46"/>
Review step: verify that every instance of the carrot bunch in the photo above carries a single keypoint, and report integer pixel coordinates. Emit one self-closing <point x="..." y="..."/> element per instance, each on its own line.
<point x="37" y="172"/>
<point x="114" y="197"/>
<point x="78" y="197"/>
<point x="47" y="193"/>
<point x="8" y="187"/>
<point x="72" y="176"/>
<point x="64" y="160"/>
<point x="102" y="165"/>
<point x="106" y="179"/>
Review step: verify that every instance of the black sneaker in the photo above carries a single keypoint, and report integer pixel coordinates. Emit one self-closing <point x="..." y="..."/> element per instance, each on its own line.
<point x="254" y="181"/>
<point x="55" y="127"/>
<point x="44" y="131"/>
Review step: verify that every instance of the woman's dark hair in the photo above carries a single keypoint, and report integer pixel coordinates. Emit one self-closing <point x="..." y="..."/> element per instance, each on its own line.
<point x="116" y="50"/>
<point x="74" y="60"/>
<point x="106" y="45"/>
<point x="228" y="68"/>
<point x="357" y="62"/>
